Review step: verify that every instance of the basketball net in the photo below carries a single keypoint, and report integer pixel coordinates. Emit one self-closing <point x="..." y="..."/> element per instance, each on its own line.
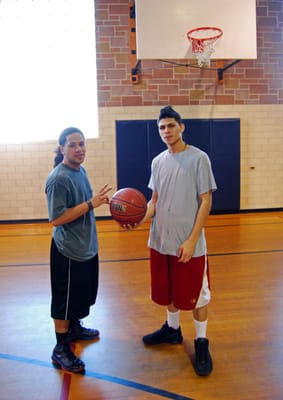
<point x="202" y="41"/>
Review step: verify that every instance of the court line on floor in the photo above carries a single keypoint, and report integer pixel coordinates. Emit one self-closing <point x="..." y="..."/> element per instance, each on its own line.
<point x="25" y="265"/>
<point x="102" y="231"/>
<point x="243" y="224"/>
<point x="96" y="375"/>
<point x="101" y="261"/>
<point x="66" y="384"/>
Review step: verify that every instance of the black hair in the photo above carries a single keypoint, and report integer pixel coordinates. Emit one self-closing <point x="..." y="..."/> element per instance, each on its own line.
<point x="169" y="112"/>
<point x="62" y="140"/>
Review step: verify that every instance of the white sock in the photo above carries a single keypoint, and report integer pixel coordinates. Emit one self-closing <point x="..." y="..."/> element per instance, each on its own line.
<point x="173" y="319"/>
<point x="200" y="328"/>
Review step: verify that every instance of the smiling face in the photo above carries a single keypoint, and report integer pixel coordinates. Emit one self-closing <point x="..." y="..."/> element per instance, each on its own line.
<point x="171" y="132"/>
<point x="74" y="150"/>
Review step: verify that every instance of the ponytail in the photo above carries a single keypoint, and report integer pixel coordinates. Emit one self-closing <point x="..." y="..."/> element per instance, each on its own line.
<point x="58" y="157"/>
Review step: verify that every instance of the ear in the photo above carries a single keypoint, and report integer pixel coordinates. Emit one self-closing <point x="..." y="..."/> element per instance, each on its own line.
<point x="182" y="125"/>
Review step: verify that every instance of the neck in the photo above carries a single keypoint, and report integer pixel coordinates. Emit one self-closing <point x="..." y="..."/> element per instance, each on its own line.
<point x="177" y="147"/>
<point x="71" y="165"/>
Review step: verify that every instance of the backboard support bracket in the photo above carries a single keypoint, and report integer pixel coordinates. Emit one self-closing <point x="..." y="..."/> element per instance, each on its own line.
<point x="221" y="69"/>
<point x="136" y="72"/>
<point x="135" y="65"/>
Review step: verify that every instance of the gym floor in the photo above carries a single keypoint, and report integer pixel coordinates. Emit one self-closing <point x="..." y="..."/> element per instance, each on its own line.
<point x="245" y="323"/>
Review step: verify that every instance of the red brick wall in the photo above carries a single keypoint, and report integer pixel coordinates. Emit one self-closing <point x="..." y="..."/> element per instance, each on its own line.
<point x="248" y="82"/>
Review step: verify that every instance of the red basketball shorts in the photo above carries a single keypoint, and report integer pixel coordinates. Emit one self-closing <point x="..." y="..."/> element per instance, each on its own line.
<point x="186" y="285"/>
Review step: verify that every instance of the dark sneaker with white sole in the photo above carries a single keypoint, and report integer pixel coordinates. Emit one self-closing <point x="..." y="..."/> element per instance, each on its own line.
<point x="78" y="332"/>
<point x="165" y="334"/>
<point x="62" y="357"/>
<point x="203" y="360"/>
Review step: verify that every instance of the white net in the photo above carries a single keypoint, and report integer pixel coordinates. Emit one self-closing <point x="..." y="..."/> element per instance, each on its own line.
<point x="202" y="41"/>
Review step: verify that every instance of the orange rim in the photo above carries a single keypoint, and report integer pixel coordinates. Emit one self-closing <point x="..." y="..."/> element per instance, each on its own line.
<point x="203" y="28"/>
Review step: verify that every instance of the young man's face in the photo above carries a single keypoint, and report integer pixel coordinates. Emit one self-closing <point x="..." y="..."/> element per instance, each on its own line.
<point x="74" y="150"/>
<point x="170" y="131"/>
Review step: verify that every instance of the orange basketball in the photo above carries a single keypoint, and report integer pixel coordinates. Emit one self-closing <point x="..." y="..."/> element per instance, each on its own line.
<point x="128" y="206"/>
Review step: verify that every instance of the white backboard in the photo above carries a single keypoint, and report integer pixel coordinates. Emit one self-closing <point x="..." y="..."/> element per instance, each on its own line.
<point x="162" y="26"/>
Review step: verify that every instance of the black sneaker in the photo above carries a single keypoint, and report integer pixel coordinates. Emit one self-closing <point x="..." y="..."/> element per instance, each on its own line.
<point x="165" y="334"/>
<point x="62" y="357"/>
<point x="79" y="332"/>
<point x="203" y="361"/>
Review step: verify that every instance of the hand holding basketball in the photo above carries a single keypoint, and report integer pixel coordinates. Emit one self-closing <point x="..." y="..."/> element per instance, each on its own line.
<point x="128" y="207"/>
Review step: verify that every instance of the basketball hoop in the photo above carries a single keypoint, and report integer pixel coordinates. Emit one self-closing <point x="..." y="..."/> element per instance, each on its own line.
<point x="202" y="40"/>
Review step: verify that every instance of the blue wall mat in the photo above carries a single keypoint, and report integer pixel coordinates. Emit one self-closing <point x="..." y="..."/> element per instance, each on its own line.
<point x="138" y="142"/>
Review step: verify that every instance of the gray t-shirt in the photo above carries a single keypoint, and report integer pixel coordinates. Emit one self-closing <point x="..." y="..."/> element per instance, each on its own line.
<point x="179" y="179"/>
<point x="66" y="188"/>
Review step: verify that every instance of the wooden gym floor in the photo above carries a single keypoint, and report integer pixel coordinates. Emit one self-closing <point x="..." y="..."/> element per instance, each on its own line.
<point x="245" y="319"/>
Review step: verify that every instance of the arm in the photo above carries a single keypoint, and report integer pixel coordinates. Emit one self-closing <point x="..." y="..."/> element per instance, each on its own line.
<point x="150" y="208"/>
<point x="187" y="248"/>
<point x="71" y="214"/>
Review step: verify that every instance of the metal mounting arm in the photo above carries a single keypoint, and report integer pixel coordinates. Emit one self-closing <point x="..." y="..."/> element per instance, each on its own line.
<point x="220" y="71"/>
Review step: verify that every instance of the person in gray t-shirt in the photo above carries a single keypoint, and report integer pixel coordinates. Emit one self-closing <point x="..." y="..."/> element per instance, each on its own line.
<point x="182" y="183"/>
<point x="74" y="248"/>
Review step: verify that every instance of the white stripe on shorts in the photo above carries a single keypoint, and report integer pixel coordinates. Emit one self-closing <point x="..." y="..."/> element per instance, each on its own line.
<point x="204" y="296"/>
<point x="68" y="290"/>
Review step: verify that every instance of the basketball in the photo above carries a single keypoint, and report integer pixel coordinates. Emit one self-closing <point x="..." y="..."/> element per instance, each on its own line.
<point x="128" y="206"/>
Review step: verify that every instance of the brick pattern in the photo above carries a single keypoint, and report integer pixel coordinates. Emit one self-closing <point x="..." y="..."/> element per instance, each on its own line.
<point x="24" y="169"/>
<point x="261" y="145"/>
<point x="248" y="82"/>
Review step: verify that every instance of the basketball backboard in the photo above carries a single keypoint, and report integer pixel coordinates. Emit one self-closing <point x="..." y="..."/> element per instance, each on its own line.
<point x="162" y="26"/>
